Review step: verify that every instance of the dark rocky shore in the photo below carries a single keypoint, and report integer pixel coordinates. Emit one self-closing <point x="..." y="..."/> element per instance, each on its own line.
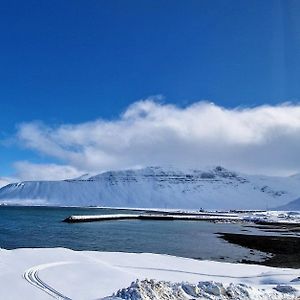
<point x="285" y="251"/>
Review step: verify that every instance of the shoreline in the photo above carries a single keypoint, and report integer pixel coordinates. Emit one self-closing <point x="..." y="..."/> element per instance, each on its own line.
<point x="268" y="238"/>
<point x="284" y="251"/>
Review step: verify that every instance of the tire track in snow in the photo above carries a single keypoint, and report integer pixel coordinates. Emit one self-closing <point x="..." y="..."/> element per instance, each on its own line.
<point x="32" y="276"/>
<point x="261" y="275"/>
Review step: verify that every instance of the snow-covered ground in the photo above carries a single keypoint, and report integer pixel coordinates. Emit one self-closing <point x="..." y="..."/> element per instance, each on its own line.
<point x="214" y="188"/>
<point x="66" y="274"/>
<point x="281" y="217"/>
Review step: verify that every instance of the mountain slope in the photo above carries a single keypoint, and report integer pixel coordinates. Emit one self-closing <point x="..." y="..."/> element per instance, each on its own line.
<point x="293" y="205"/>
<point x="158" y="187"/>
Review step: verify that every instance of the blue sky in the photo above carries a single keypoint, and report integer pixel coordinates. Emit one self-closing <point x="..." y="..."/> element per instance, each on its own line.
<point x="70" y="62"/>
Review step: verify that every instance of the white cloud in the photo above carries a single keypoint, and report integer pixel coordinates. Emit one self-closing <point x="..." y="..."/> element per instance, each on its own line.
<point x="263" y="139"/>
<point x="6" y="180"/>
<point x="29" y="171"/>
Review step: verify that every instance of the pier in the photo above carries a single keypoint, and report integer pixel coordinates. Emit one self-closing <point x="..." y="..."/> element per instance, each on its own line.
<point x="163" y="217"/>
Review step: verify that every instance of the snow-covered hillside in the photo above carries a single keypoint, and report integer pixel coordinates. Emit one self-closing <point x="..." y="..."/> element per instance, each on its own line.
<point x="215" y="188"/>
<point x="293" y="205"/>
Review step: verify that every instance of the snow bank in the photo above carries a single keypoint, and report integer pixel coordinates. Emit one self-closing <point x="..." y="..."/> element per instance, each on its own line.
<point x="151" y="289"/>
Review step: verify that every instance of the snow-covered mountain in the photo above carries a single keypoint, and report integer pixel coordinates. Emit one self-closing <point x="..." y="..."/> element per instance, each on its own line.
<point x="157" y="187"/>
<point x="293" y="205"/>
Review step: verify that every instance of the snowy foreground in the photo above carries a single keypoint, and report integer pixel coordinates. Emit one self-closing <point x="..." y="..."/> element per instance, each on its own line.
<point x="66" y="274"/>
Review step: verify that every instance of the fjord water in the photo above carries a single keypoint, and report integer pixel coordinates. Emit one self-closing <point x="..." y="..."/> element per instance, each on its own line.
<point x="43" y="227"/>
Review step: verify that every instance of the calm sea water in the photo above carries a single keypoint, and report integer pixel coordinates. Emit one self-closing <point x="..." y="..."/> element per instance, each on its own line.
<point x="43" y="227"/>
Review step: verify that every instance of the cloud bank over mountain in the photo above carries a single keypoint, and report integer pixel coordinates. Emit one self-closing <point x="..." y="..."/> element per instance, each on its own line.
<point x="5" y="181"/>
<point x="29" y="171"/>
<point x="263" y="139"/>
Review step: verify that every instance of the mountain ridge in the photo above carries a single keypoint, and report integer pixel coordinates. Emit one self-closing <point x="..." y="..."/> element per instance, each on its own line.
<point x="160" y="187"/>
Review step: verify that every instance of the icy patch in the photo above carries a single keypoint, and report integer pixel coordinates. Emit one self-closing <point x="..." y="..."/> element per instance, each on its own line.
<point x="153" y="290"/>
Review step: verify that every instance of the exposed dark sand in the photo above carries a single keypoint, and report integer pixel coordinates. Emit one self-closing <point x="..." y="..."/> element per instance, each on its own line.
<point x="285" y="250"/>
